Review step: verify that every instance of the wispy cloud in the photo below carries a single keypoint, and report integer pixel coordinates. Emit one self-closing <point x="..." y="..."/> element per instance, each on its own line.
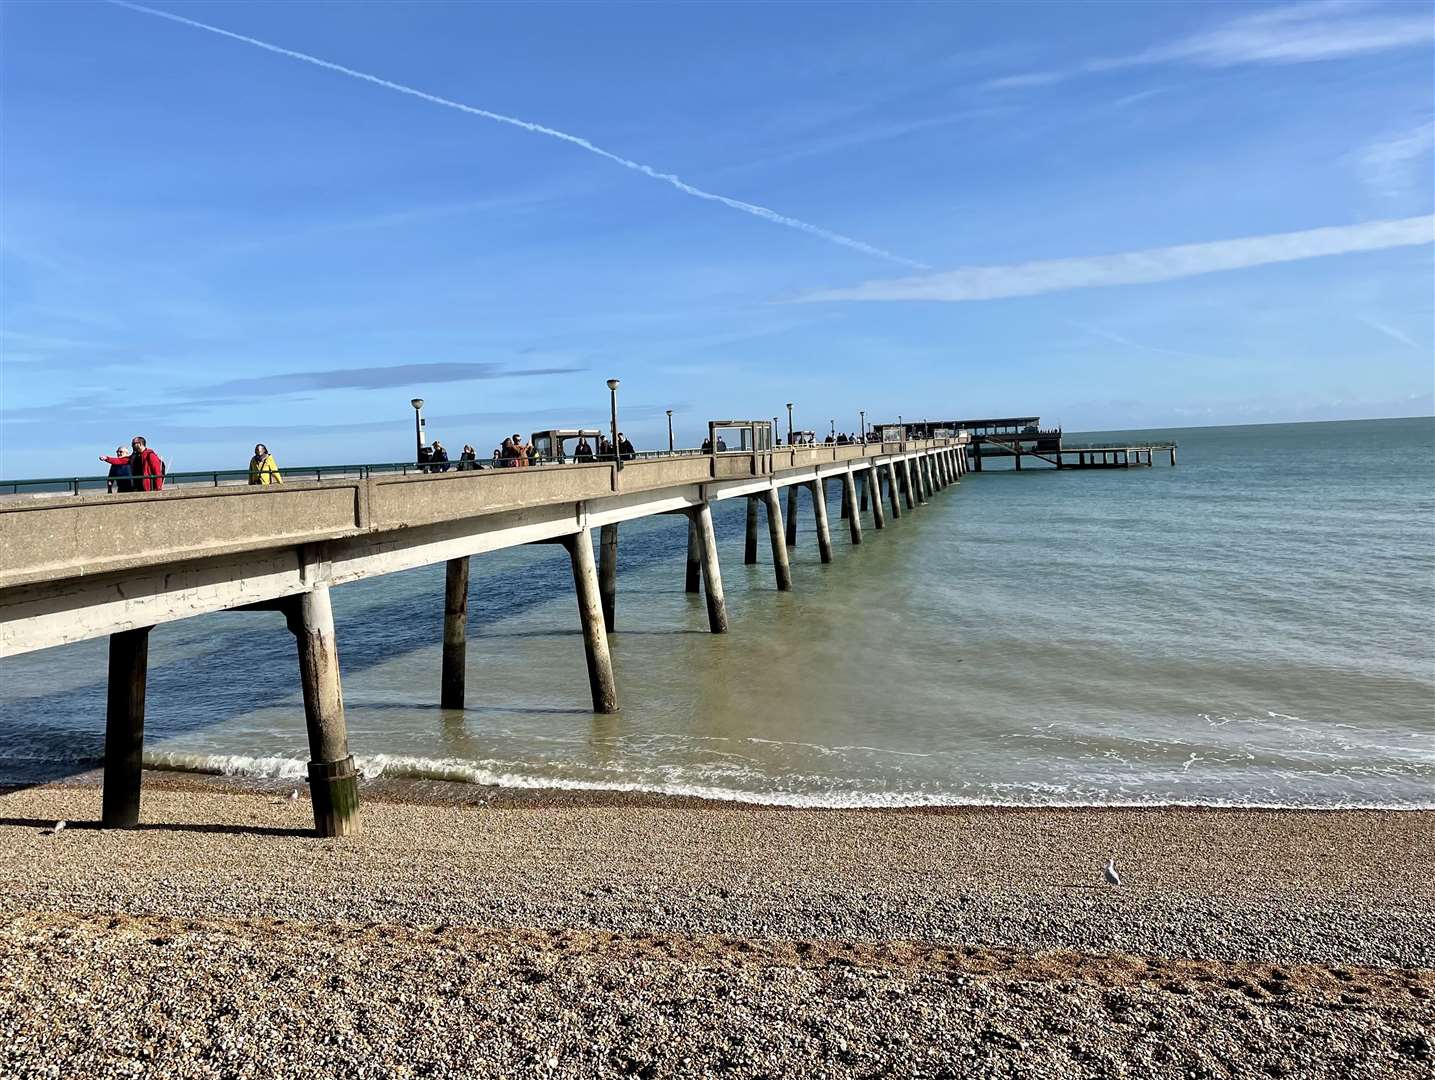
<point x="1393" y="333"/>
<point x="291" y="385"/>
<point x="1293" y="34"/>
<point x="1140" y="267"/>
<point x="538" y="129"/>
<point x="1391" y="166"/>
<point x="368" y="378"/>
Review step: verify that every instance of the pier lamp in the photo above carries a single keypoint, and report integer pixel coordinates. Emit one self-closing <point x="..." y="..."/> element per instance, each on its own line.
<point x="862" y="425"/>
<point x="613" y="404"/>
<point x="418" y="404"/>
<point x="670" y="431"/>
<point x="789" y="423"/>
<point x="833" y="425"/>
<point x="776" y="429"/>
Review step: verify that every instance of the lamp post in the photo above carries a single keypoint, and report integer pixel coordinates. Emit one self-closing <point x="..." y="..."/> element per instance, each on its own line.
<point x="418" y="404"/>
<point x="833" y="425"/>
<point x="670" y="431"/>
<point x="863" y="426"/>
<point x="789" y="423"/>
<point x="613" y="403"/>
<point x="775" y="428"/>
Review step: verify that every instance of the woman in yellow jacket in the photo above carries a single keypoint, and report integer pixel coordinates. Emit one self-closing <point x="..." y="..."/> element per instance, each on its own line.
<point x="263" y="469"/>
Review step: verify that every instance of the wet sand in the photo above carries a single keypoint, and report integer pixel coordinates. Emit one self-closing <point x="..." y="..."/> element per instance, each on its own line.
<point x="479" y="932"/>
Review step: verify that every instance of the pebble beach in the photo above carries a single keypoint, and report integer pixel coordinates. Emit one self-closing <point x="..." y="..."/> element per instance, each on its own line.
<point x="467" y="932"/>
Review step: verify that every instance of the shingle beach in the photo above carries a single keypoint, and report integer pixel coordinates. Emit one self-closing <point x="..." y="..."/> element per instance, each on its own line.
<point x="485" y="933"/>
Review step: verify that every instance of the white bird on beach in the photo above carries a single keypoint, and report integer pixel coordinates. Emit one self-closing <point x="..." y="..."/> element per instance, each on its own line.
<point x="57" y="828"/>
<point x="294" y="795"/>
<point x="1112" y="877"/>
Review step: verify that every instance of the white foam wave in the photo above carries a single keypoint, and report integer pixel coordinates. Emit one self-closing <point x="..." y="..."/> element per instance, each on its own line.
<point x="396" y="766"/>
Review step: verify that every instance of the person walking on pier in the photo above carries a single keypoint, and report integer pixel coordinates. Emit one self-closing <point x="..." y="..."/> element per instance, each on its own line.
<point x="625" y="447"/>
<point x="520" y="451"/>
<point x="146" y="467"/>
<point x="467" y="458"/>
<point x="263" y="469"/>
<point x="583" y="452"/>
<point x="440" y="457"/>
<point x="119" y="470"/>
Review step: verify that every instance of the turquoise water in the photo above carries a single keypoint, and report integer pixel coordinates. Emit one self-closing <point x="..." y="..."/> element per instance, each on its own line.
<point x="1253" y="626"/>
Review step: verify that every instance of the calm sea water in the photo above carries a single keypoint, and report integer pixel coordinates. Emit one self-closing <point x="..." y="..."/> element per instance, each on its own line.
<point x="1251" y="627"/>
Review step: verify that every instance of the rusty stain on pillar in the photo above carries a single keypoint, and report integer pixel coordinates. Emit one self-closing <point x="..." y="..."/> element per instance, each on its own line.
<point x="333" y="781"/>
<point x="124" y="729"/>
<point x="776" y="538"/>
<point x="749" y="542"/>
<point x="590" y="613"/>
<point x="849" y="503"/>
<point x="455" y="633"/>
<point x="608" y="573"/>
<point x="818" y="490"/>
<point x="692" y="582"/>
<point x="702" y="517"/>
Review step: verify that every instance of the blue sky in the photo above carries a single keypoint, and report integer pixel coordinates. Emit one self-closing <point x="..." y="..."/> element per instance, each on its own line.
<point x="211" y="243"/>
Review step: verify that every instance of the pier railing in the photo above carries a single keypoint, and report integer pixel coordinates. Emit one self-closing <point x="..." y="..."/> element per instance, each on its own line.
<point x="97" y="484"/>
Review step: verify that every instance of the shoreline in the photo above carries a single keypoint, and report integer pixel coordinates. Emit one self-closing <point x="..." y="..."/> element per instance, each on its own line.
<point x="417" y="791"/>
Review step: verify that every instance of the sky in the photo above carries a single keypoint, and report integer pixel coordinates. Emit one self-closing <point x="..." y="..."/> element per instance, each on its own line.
<point x="283" y="224"/>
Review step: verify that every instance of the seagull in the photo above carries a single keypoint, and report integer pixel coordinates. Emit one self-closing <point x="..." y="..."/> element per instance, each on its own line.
<point x="58" y="828"/>
<point x="294" y="795"/>
<point x="1112" y="877"/>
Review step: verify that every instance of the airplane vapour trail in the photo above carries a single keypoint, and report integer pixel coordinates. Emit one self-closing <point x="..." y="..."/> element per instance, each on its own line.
<point x="539" y="129"/>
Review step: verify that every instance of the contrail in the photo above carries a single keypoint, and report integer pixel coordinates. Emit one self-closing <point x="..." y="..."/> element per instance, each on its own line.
<point x="539" y="129"/>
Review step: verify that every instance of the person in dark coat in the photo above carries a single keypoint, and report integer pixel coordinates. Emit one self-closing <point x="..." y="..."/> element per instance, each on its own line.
<point x="119" y="470"/>
<point x="625" y="447"/>
<point x="440" y="457"/>
<point x="583" y="452"/>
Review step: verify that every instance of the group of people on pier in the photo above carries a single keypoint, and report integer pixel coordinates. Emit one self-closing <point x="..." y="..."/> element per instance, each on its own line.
<point x="516" y="453"/>
<point x="135" y="467"/>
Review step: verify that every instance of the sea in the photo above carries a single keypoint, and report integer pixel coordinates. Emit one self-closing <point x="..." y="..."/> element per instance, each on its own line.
<point x="1253" y="627"/>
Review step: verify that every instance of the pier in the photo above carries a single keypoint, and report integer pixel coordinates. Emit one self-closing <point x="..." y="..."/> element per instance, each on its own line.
<point x="77" y="567"/>
<point x="1023" y="437"/>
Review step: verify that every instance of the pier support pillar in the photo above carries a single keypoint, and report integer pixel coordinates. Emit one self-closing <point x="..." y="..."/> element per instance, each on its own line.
<point x="333" y="781"/>
<point x="909" y="487"/>
<point x="874" y="491"/>
<point x="818" y="489"/>
<point x="1173" y="457"/>
<point x="124" y="729"/>
<point x="849" y="503"/>
<point x="775" y="535"/>
<point x="894" y="493"/>
<point x="977" y="457"/>
<point x="455" y="633"/>
<point x="608" y="573"/>
<point x="791" y="515"/>
<point x="702" y="518"/>
<point x="866" y="492"/>
<point x="749" y="544"/>
<point x="590" y="613"/>
<point x="692" y="581"/>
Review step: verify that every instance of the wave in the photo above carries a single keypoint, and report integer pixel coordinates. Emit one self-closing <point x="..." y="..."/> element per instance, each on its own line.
<point x="402" y="767"/>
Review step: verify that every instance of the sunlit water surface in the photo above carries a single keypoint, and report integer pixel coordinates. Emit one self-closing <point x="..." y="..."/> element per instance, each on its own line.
<point x="1251" y="627"/>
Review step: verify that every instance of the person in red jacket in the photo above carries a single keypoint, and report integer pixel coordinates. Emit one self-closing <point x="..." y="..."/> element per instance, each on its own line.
<point x="146" y="468"/>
